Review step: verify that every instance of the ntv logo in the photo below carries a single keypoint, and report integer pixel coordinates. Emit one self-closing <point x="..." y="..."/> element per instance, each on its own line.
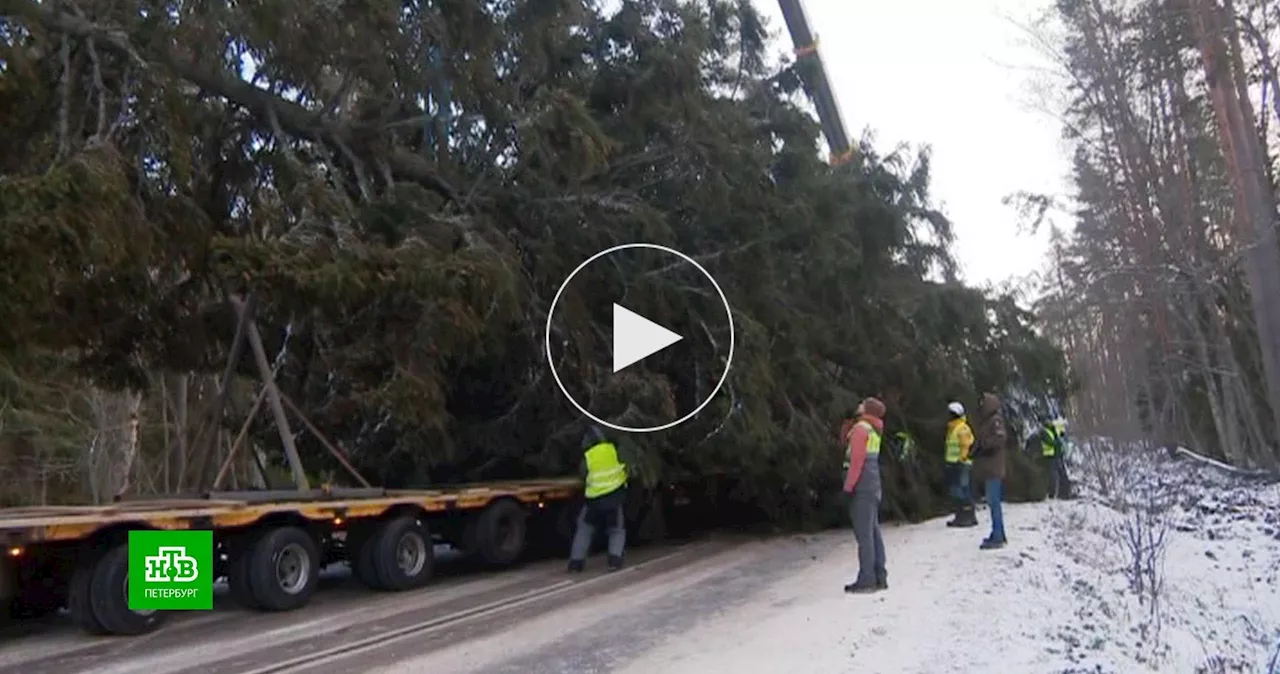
<point x="171" y="565"/>
<point x="173" y="570"/>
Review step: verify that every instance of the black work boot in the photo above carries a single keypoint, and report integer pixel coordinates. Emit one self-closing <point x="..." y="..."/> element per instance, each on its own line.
<point x="861" y="588"/>
<point x="615" y="562"/>
<point x="882" y="583"/>
<point x="992" y="543"/>
<point x="576" y="565"/>
<point x="955" y="518"/>
<point x="967" y="518"/>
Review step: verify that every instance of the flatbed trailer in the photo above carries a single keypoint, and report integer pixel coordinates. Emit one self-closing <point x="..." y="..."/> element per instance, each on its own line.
<point x="270" y="545"/>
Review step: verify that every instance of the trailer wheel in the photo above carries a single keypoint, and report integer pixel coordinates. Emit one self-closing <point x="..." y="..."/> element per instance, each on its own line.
<point x="238" y="574"/>
<point x="99" y="596"/>
<point x="79" y="603"/>
<point x="284" y="569"/>
<point x="360" y="545"/>
<point x="402" y="554"/>
<point x="500" y="532"/>
<point x="362" y="565"/>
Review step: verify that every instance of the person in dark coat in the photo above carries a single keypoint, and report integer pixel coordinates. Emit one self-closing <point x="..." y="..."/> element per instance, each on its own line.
<point x="990" y="465"/>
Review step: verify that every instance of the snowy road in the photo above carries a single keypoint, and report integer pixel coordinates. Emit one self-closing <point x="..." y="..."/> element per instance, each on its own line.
<point x="341" y="616"/>
<point x="1054" y="601"/>
<point x="778" y="607"/>
<point x="1057" y="600"/>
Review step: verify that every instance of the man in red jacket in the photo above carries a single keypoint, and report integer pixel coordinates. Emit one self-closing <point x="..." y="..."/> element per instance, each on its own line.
<point x="863" y="492"/>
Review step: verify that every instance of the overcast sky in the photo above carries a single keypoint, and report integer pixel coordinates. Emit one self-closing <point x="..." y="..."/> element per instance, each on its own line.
<point x="955" y="75"/>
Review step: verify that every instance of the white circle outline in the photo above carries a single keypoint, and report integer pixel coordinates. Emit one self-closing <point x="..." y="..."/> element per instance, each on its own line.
<point x="551" y="312"/>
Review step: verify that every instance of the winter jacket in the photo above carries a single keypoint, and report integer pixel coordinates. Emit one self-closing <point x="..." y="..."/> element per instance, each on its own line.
<point x="992" y="439"/>
<point x="862" y="467"/>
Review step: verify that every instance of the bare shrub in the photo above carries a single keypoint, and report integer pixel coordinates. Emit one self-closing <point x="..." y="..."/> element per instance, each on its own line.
<point x="1108" y="470"/>
<point x="1127" y="479"/>
<point x="1219" y="664"/>
<point x="1144" y="532"/>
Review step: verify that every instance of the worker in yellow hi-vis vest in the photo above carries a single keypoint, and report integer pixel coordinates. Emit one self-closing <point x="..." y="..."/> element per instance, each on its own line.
<point x="606" y="492"/>
<point x="959" y="467"/>
<point x="1052" y="449"/>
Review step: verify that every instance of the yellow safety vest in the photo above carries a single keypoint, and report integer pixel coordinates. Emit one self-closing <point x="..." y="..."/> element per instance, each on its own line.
<point x="873" y="443"/>
<point x="605" y="473"/>
<point x="1048" y="437"/>
<point x="959" y="440"/>
<point x="908" y="444"/>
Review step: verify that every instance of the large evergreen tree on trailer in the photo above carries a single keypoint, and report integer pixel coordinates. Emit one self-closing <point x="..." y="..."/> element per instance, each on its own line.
<point x="405" y="288"/>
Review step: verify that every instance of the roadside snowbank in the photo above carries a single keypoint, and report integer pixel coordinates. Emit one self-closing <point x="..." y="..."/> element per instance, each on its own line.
<point x="1080" y="589"/>
<point x="1209" y="601"/>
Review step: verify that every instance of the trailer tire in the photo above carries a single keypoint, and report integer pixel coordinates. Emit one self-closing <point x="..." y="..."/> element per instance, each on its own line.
<point x="238" y="581"/>
<point x="402" y="554"/>
<point x="79" y="602"/>
<point x="99" y="596"/>
<point x="284" y="569"/>
<point x="500" y="533"/>
<point x="361" y="556"/>
<point x="110" y="593"/>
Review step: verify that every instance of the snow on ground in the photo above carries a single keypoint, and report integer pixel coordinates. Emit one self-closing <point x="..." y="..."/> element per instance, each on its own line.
<point x="1217" y="608"/>
<point x="1063" y="598"/>
<point x="1059" y="599"/>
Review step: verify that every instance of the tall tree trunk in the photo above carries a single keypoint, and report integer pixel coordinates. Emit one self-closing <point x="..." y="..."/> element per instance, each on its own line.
<point x="1255" y="200"/>
<point x="132" y="441"/>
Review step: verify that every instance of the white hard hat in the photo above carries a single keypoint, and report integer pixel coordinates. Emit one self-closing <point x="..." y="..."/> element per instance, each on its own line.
<point x="956" y="408"/>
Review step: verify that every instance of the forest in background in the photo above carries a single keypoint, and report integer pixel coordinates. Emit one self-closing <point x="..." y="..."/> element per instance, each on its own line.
<point x="398" y="188"/>
<point x="1166" y="294"/>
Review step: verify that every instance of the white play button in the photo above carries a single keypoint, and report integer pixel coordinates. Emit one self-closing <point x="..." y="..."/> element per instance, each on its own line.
<point x="636" y="337"/>
<point x="701" y="336"/>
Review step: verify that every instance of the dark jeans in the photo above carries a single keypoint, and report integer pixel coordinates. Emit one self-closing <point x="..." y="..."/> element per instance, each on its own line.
<point x="1056" y="470"/>
<point x="959" y="484"/>
<point x="995" y="497"/>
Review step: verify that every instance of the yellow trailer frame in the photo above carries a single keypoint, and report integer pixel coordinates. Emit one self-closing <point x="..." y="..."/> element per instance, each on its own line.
<point x="23" y="526"/>
<point x="61" y="555"/>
